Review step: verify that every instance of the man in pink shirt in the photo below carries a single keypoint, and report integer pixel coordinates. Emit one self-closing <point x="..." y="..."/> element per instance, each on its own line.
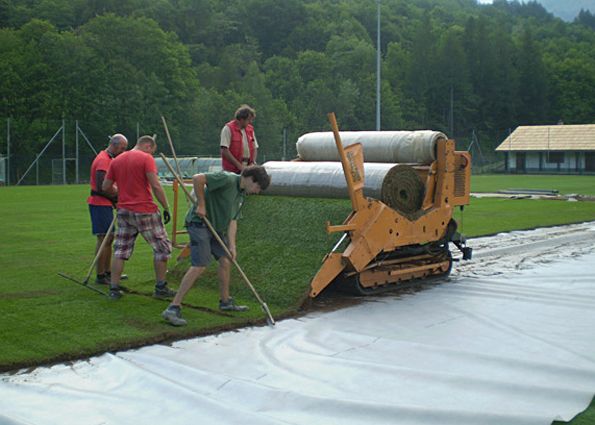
<point x="101" y="204"/>
<point x="135" y="174"/>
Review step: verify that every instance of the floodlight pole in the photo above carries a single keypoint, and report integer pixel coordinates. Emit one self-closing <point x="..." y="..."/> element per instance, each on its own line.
<point x="76" y="142"/>
<point x="378" y="67"/>
<point x="7" y="151"/>
<point x="63" y="152"/>
<point x="284" y="143"/>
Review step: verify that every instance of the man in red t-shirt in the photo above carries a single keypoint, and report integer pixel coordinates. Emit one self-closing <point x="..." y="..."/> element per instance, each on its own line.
<point x="135" y="174"/>
<point x="101" y="204"/>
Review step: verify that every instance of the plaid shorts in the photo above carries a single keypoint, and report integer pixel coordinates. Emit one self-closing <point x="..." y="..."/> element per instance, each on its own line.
<point x="130" y="224"/>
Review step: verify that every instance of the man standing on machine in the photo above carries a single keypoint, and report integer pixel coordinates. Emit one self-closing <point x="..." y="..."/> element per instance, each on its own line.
<point x="101" y="204"/>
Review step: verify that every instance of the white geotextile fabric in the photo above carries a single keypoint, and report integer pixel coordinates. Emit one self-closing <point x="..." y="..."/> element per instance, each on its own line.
<point x="321" y="179"/>
<point x="517" y="349"/>
<point x="379" y="146"/>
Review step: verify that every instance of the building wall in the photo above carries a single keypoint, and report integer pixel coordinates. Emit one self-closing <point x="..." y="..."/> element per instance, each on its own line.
<point x="574" y="162"/>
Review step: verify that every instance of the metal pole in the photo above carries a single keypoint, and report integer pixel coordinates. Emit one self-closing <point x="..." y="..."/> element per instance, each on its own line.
<point x="63" y="152"/>
<point x="451" y="123"/>
<point x="378" y="68"/>
<point x="76" y="142"/>
<point x="284" y="143"/>
<point x="509" y="148"/>
<point x="39" y="156"/>
<point x="7" y="151"/>
<point x="37" y="170"/>
<point x="87" y="140"/>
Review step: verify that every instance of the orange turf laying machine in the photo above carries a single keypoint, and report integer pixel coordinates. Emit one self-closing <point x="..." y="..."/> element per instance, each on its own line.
<point x="387" y="246"/>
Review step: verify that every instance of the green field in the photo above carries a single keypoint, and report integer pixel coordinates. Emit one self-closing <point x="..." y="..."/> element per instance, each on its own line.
<point x="281" y="242"/>
<point x="581" y="185"/>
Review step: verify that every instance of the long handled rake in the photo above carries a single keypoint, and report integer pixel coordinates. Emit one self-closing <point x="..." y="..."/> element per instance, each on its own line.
<point x="263" y="305"/>
<point x="85" y="281"/>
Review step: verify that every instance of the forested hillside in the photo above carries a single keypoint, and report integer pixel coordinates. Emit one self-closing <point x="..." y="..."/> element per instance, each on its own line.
<point x="113" y="63"/>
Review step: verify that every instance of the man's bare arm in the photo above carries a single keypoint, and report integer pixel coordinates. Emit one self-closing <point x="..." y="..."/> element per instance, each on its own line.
<point x="158" y="190"/>
<point x="99" y="178"/>
<point x="108" y="186"/>
<point x="199" y="182"/>
<point x="232" y="231"/>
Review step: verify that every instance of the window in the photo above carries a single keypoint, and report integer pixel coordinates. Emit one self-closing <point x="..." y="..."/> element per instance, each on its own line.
<point x="554" y="157"/>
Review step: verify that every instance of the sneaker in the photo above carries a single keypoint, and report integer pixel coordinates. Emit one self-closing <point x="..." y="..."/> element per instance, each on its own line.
<point x="230" y="305"/>
<point x="108" y="276"/>
<point x="164" y="292"/>
<point x="102" y="280"/>
<point x="115" y="292"/>
<point x="173" y="316"/>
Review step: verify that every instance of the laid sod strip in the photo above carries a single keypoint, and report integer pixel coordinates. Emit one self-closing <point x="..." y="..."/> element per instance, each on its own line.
<point x="580" y="185"/>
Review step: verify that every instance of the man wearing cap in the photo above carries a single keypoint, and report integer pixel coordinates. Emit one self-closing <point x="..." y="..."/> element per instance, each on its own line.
<point x="239" y="147"/>
<point x="135" y="174"/>
<point x="101" y="204"/>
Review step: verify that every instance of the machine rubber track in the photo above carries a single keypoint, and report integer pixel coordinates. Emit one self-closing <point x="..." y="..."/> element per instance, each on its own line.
<point x="350" y="282"/>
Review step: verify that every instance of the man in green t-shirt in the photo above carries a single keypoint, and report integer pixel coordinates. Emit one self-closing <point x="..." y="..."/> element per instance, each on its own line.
<point x="219" y="197"/>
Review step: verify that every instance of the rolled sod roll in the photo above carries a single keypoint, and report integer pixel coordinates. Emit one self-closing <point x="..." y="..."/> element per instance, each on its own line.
<point x="417" y="147"/>
<point x="403" y="190"/>
<point x="398" y="186"/>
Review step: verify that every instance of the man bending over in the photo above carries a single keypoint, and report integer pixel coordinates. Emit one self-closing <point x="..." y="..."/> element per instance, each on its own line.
<point x="220" y="197"/>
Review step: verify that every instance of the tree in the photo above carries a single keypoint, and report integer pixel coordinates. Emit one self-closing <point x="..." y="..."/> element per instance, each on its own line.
<point x="533" y="85"/>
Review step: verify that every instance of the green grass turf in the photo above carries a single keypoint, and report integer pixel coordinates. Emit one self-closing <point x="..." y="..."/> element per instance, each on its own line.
<point x="281" y="241"/>
<point x="486" y="216"/>
<point x="47" y="318"/>
<point x="582" y="185"/>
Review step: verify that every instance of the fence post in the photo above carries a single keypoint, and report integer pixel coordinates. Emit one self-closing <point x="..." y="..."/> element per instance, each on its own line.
<point x="76" y="142"/>
<point x="7" y="151"/>
<point x="63" y="151"/>
<point x="284" y="143"/>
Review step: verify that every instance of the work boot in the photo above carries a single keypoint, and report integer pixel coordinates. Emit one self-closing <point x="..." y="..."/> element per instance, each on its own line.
<point x="173" y="315"/>
<point x="115" y="292"/>
<point x="162" y="292"/>
<point x="230" y="305"/>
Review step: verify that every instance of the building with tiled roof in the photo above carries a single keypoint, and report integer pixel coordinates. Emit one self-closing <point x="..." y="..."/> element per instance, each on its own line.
<point x="568" y="149"/>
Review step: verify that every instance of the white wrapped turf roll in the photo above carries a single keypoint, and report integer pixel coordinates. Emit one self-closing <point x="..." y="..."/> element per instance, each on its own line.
<point x="396" y="185"/>
<point x="320" y="179"/>
<point x="379" y="146"/>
